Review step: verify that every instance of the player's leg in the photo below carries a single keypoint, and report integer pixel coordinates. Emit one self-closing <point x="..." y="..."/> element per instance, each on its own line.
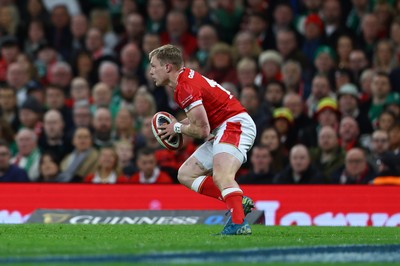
<point x="195" y="172"/>
<point x="225" y="168"/>
<point x="233" y="140"/>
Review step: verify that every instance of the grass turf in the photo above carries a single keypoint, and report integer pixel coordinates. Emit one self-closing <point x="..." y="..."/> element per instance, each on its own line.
<point x="29" y="240"/>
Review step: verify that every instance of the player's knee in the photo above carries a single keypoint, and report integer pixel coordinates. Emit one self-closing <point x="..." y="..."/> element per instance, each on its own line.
<point x="183" y="174"/>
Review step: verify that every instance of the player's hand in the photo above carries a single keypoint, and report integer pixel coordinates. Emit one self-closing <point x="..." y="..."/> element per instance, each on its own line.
<point x="166" y="131"/>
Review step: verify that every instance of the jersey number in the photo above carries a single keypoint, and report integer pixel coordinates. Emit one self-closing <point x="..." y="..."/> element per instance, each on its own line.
<point x="214" y="84"/>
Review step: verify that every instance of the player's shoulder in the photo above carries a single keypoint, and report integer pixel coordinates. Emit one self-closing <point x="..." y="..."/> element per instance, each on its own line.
<point x="187" y="75"/>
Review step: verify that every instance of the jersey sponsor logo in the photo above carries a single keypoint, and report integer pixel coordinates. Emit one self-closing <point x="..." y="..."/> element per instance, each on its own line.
<point x="191" y="74"/>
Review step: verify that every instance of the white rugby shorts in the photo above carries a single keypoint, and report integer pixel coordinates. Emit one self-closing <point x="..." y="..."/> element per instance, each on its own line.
<point x="234" y="136"/>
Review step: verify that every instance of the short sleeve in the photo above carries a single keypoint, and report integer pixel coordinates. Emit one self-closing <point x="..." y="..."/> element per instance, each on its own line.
<point x="188" y="96"/>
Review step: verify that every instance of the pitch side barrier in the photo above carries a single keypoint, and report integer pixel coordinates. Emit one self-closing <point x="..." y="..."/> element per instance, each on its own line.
<point x="326" y="205"/>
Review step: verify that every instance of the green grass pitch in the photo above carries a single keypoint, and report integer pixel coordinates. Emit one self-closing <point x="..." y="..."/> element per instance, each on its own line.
<point x="32" y="240"/>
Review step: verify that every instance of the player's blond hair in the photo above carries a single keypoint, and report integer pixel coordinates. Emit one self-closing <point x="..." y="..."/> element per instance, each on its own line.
<point x="168" y="54"/>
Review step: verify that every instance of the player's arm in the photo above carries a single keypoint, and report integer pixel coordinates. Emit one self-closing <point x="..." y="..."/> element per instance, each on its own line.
<point x="198" y="126"/>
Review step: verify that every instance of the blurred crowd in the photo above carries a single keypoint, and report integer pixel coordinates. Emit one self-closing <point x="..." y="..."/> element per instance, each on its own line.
<point x="321" y="79"/>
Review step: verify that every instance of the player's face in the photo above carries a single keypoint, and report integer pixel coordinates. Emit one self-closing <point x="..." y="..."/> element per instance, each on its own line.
<point x="158" y="72"/>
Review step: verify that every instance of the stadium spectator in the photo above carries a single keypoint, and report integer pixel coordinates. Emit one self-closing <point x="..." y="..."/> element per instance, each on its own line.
<point x="125" y="152"/>
<point x="334" y="24"/>
<point x="8" y="106"/>
<point x="156" y="12"/>
<point x="59" y="33"/>
<point x="324" y="60"/>
<point x="95" y="45"/>
<point x="220" y="65"/>
<point x="380" y="93"/>
<point x="60" y="74"/>
<point x="270" y="138"/>
<point x="270" y="63"/>
<point x="378" y="146"/>
<point x="35" y="90"/>
<point x="328" y="157"/>
<point x="292" y="78"/>
<point x="384" y="58"/>
<point x="30" y="115"/>
<point x="55" y="99"/>
<point x="124" y="126"/>
<point x="246" y="46"/>
<point x="348" y="101"/>
<point x="365" y="86"/>
<point x="300" y="170"/>
<point x="344" y="47"/>
<point x="340" y="77"/>
<point x="369" y="35"/>
<point x="260" y="172"/>
<point x="288" y="47"/>
<point x="102" y="128"/>
<point x="246" y="72"/>
<point x="294" y="103"/>
<point x="53" y="137"/>
<point x="149" y="172"/>
<point x="250" y="99"/>
<point x="386" y="120"/>
<point x="107" y="170"/>
<point x="273" y="95"/>
<point x="228" y="17"/>
<point x="82" y="116"/>
<point x="349" y="133"/>
<point x="109" y="74"/>
<point x="80" y="91"/>
<point x="17" y="77"/>
<point x="79" y="26"/>
<point x="10" y="19"/>
<point x="384" y="12"/>
<point x="9" y="52"/>
<point x="320" y="89"/>
<point x="134" y="25"/>
<point x="10" y="172"/>
<point x="146" y="135"/>
<point x="129" y="87"/>
<point x="313" y="35"/>
<point x="35" y="10"/>
<point x="49" y="167"/>
<point x="100" y="19"/>
<point x="7" y="135"/>
<point x="199" y="15"/>
<point x="326" y="114"/>
<point x="144" y="105"/>
<point x="28" y="155"/>
<point x="358" y="10"/>
<point x="36" y="37"/>
<point x="388" y="166"/>
<point x="358" y="62"/>
<point x="177" y="33"/>
<point x="356" y="169"/>
<point x="84" y="66"/>
<point x="81" y="161"/>
<point x="102" y="98"/>
<point x="394" y="139"/>
<point x="150" y="42"/>
<point x="283" y="16"/>
<point x="283" y="122"/>
<point x="259" y="26"/>
<point x="131" y="58"/>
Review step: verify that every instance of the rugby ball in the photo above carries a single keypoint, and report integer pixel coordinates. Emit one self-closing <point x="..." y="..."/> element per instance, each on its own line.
<point x="159" y="119"/>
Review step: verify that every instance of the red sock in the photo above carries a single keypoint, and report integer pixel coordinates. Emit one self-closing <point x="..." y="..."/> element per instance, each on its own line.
<point x="233" y="198"/>
<point x="205" y="186"/>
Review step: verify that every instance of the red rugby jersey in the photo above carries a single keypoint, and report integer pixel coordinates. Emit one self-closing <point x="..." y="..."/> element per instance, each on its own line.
<point x="194" y="89"/>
